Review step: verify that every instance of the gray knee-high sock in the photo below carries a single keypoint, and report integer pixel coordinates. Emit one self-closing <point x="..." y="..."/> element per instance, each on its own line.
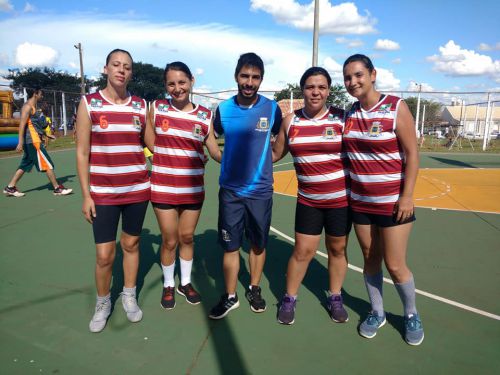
<point x="374" y="288"/>
<point x="407" y="294"/>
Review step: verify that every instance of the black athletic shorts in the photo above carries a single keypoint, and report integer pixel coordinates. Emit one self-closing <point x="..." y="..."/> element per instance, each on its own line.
<point x="166" y="206"/>
<point x="105" y="224"/>
<point x="238" y="214"/>
<point x="383" y="221"/>
<point x="312" y="220"/>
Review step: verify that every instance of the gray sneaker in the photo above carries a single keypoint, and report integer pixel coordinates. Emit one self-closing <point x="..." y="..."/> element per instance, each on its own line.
<point x="414" y="331"/>
<point x="336" y="308"/>
<point x="372" y="323"/>
<point x="101" y="315"/>
<point x="129" y="302"/>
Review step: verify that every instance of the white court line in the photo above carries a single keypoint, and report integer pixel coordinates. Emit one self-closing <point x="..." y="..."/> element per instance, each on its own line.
<point x="421" y="292"/>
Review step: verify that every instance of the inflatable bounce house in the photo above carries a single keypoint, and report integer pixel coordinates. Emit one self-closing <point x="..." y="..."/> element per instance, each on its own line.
<point x="9" y="127"/>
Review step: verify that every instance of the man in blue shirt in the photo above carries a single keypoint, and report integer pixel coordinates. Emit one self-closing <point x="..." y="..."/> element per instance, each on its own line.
<point x="248" y="121"/>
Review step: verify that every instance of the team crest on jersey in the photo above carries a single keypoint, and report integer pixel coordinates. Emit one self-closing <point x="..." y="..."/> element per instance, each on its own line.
<point x="225" y="235"/>
<point x="375" y="129"/>
<point x="332" y="117"/>
<point x="296" y="119"/>
<point x="385" y="108"/>
<point x="136" y="121"/>
<point x="163" y="107"/>
<point x="197" y="131"/>
<point x="96" y="103"/>
<point x="202" y="115"/>
<point x="136" y="105"/>
<point x="329" y="132"/>
<point x="262" y="125"/>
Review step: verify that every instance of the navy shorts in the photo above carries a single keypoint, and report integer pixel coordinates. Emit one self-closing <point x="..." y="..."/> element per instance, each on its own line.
<point x="105" y="224"/>
<point x="383" y="221"/>
<point x="166" y="206"/>
<point x="238" y="214"/>
<point x="311" y="220"/>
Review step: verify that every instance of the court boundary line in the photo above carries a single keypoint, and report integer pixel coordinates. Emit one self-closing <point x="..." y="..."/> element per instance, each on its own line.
<point x="418" y="291"/>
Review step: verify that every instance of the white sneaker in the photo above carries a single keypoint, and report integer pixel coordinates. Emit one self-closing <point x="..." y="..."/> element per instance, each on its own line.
<point x="61" y="190"/>
<point x="129" y="302"/>
<point x="101" y="315"/>
<point x="11" y="191"/>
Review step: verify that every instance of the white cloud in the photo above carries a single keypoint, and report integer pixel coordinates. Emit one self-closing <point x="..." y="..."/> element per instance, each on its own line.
<point x="6" y="6"/>
<point x="487" y="47"/>
<point x="455" y="61"/>
<point x="333" y="19"/>
<point x="350" y="43"/>
<point x="334" y="68"/>
<point x="386" y="45"/>
<point x="386" y="80"/>
<point x="199" y="71"/>
<point x="29" y="54"/>
<point x="192" y="43"/>
<point x="414" y="86"/>
<point x="29" y="8"/>
<point x="397" y="60"/>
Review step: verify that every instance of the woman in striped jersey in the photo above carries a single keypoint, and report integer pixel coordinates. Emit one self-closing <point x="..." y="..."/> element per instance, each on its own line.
<point x="177" y="130"/>
<point x="381" y="145"/>
<point x="313" y="135"/>
<point x="114" y="180"/>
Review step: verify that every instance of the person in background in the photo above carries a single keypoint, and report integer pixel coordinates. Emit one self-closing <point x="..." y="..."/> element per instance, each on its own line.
<point x="31" y="143"/>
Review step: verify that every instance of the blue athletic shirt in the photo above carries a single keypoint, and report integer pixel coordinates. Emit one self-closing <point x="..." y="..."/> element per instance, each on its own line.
<point x="247" y="167"/>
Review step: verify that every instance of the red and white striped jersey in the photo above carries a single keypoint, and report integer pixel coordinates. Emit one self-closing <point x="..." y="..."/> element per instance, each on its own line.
<point x="375" y="155"/>
<point x="118" y="170"/>
<point x="178" y="161"/>
<point x="316" y="147"/>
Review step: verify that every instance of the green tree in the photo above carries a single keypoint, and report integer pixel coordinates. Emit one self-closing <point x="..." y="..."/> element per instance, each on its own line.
<point x="46" y="78"/>
<point x="337" y="96"/>
<point x="147" y="81"/>
<point x="432" y="109"/>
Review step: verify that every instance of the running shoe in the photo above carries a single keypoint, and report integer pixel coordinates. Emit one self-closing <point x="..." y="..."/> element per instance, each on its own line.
<point x="11" y="191"/>
<point x="61" y="190"/>
<point x="192" y="296"/>
<point x="414" y="331"/>
<point x="225" y="305"/>
<point x="372" y="323"/>
<point x="101" y="315"/>
<point x="336" y="308"/>
<point x="129" y="302"/>
<point x="286" y="313"/>
<point x="168" y="298"/>
<point x="254" y="297"/>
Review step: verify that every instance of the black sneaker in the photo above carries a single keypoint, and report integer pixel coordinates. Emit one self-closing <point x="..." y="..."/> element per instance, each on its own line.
<point x="192" y="296"/>
<point x="257" y="303"/>
<point x="168" y="298"/>
<point x="225" y="305"/>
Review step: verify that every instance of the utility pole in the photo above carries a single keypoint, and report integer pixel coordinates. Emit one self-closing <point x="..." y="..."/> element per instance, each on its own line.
<point x="82" y="79"/>
<point x="417" y="115"/>
<point x="315" y="33"/>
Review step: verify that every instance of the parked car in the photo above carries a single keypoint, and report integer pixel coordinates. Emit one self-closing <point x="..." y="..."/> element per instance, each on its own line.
<point x="472" y="135"/>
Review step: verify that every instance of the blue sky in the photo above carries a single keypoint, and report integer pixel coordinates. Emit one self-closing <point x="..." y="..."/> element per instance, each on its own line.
<point x="443" y="45"/>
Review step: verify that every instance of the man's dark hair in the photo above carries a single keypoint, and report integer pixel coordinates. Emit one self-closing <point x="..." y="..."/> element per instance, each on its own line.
<point x="250" y="59"/>
<point x="33" y="90"/>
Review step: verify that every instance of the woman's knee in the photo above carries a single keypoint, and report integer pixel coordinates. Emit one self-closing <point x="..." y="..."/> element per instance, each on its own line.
<point x="105" y="260"/>
<point x="186" y="238"/>
<point x="303" y="254"/>
<point x="129" y="244"/>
